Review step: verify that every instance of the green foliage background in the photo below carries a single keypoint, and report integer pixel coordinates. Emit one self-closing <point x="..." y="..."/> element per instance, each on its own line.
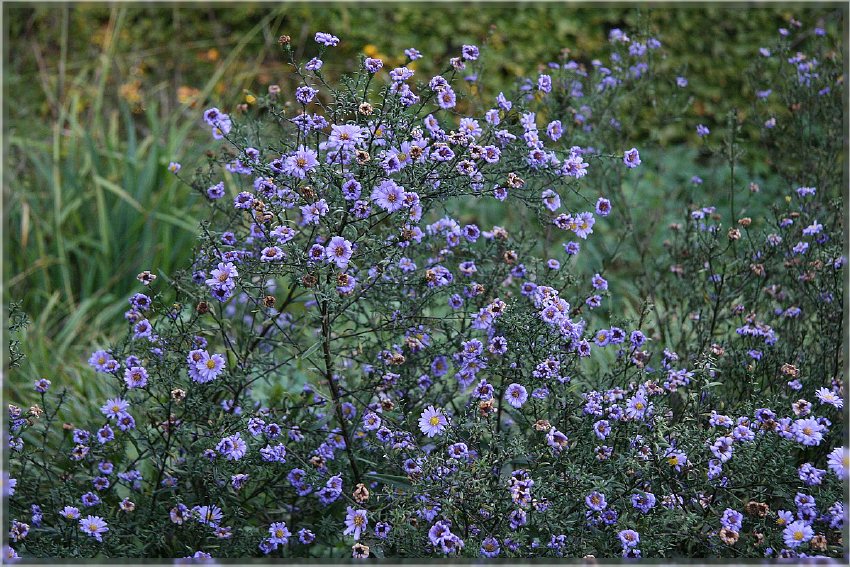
<point x="99" y="99"/>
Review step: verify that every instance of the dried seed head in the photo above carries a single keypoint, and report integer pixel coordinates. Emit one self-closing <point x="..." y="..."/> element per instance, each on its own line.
<point x="818" y="542"/>
<point x="486" y="407"/>
<point x="754" y="508"/>
<point x="542" y="425"/>
<point x="284" y="40"/>
<point x="510" y="256"/>
<point x="734" y="234"/>
<point x="361" y="494"/>
<point x="269" y="301"/>
<point x="362" y="156"/>
<point x="360" y="551"/>
<point x="309" y="280"/>
<point x="146" y="277"/>
<point x="430" y="276"/>
<point x="202" y="307"/>
<point x="308" y="192"/>
<point x="365" y="109"/>
<point x="745" y="222"/>
<point x="728" y="536"/>
<point x="178" y="395"/>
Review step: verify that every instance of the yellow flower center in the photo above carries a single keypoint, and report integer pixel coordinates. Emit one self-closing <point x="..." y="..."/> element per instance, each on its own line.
<point x="211" y="364"/>
<point x="434" y="420"/>
<point x="358" y="520"/>
<point x="673" y="461"/>
<point x="798" y="535"/>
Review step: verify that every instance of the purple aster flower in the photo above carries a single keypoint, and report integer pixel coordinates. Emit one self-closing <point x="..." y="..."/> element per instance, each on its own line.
<point x="326" y="39"/>
<point x="208" y="367"/>
<point x="339" y="252"/>
<point x="302" y="161"/>
<point x="732" y="520"/>
<point x="305" y="536"/>
<point x="554" y="130"/>
<point x="94" y="526"/>
<point x="279" y="533"/>
<point x="557" y="440"/>
<point x="644" y="502"/>
<point x="838" y="462"/>
<point x="446" y="98"/>
<point x="629" y="538"/>
<point x="313" y="212"/>
<point x="355" y="522"/>
<point x="797" y="533"/>
<point x="469" y="52"/>
<point x="631" y="158"/>
<point x="233" y="447"/>
<point x="808" y="431"/>
<point x="372" y="65"/>
<point x="388" y="195"/>
<point x="490" y="547"/>
<point x="596" y="501"/>
<point x="115" y="408"/>
<point x="602" y="429"/>
<point x="271" y="254"/>
<point x="432" y="422"/>
<point x="70" y="512"/>
<point x="346" y="137"/>
<point x="598" y="282"/>
<point x="516" y="395"/>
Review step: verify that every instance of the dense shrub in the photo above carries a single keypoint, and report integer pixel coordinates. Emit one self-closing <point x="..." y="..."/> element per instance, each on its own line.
<point x="354" y="367"/>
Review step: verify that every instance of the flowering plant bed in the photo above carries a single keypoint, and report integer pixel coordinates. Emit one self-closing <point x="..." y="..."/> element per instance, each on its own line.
<point x="359" y="363"/>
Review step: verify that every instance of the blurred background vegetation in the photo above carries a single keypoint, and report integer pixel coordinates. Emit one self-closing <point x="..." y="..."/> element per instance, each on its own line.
<point x="100" y="98"/>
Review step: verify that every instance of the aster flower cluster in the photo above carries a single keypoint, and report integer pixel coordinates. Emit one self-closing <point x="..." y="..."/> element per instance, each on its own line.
<point x="357" y="365"/>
